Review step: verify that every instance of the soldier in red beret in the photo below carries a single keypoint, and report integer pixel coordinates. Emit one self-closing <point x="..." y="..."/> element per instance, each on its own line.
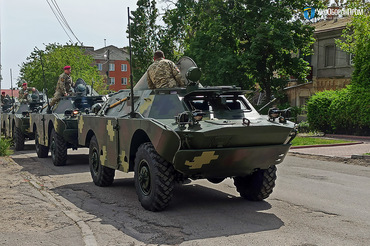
<point x="64" y="86"/>
<point x="23" y="93"/>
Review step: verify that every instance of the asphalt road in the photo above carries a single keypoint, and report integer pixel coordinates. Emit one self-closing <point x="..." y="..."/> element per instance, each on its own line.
<point x="314" y="203"/>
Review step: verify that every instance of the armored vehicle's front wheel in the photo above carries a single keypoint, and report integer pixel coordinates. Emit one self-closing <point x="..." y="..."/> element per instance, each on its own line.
<point x="101" y="175"/>
<point x="41" y="150"/>
<point x="18" y="138"/>
<point x="258" y="185"/>
<point x="58" y="149"/>
<point x="154" y="178"/>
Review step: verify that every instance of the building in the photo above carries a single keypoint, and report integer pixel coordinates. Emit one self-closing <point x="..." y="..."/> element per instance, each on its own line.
<point x="331" y="67"/>
<point x="9" y="92"/>
<point x="114" y="63"/>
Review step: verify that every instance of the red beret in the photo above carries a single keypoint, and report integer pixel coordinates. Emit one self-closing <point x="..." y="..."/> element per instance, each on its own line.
<point x="67" y="67"/>
<point x="24" y="84"/>
<point x="3" y="92"/>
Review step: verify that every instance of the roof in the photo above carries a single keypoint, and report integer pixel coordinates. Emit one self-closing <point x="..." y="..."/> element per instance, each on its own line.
<point x="295" y="86"/>
<point x="115" y="53"/>
<point x="9" y="92"/>
<point x="331" y="25"/>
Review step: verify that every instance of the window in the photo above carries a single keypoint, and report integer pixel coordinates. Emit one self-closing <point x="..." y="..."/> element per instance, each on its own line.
<point x="111" y="67"/>
<point x="123" y="67"/>
<point x="112" y="80"/>
<point x="124" y="81"/>
<point x="100" y="66"/>
<point x="329" y="56"/>
<point x="351" y="59"/>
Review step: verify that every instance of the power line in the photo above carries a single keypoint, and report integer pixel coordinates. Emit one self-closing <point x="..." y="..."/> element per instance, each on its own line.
<point x="56" y="16"/>
<point x="61" y="19"/>
<point x="64" y="19"/>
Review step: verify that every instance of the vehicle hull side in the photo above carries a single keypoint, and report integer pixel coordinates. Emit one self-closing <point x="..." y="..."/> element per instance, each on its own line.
<point x="228" y="162"/>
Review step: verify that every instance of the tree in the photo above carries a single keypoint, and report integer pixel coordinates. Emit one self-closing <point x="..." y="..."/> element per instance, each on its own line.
<point x="54" y="58"/>
<point x="356" y="40"/>
<point x="144" y="36"/>
<point x="244" y="42"/>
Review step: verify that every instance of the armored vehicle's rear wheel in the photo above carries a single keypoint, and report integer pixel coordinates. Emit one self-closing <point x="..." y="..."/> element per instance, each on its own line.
<point x="257" y="186"/>
<point x="58" y="149"/>
<point x="154" y="178"/>
<point x="101" y="175"/>
<point x="18" y="138"/>
<point x="41" y="150"/>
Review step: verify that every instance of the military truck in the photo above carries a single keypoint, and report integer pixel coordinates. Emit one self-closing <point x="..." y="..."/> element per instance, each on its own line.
<point x="177" y="134"/>
<point x="16" y="118"/>
<point x="55" y="128"/>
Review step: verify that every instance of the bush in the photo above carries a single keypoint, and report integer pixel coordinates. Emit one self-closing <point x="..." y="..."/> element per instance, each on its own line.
<point x="5" y="147"/>
<point x="345" y="111"/>
<point x="318" y="110"/>
<point x="304" y="127"/>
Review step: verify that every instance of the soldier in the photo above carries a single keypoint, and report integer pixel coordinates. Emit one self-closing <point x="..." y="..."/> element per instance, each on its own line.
<point x="163" y="73"/>
<point x="2" y="96"/>
<point x="64" y="86"/>
<point x="23" y="93"/>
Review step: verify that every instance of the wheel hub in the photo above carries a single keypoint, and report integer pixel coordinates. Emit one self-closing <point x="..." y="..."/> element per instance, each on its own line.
<point x="94" y="161"/>
<point x="144" y="178"/>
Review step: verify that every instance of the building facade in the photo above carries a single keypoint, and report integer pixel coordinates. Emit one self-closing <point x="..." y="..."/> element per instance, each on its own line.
<point x="331" y="67"/>
<point x="112" y="62"/>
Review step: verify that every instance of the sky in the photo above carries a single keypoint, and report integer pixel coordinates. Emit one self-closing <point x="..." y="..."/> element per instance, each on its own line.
<point x="26" y="24"/>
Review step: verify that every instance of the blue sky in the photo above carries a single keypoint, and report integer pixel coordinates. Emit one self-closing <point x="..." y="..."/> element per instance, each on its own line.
<point x="29" y="23"/>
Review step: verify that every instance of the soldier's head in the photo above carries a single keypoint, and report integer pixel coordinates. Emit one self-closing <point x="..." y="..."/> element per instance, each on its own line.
<point x="3" y="93"/>
<point x="67" y="69"/>
<point x="158" y="55"/>
<point x="24" y="86"/>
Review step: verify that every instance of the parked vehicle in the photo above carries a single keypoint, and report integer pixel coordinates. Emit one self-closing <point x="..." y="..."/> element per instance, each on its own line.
<point x="178" y="134"/>
<point x="56" y="129"/>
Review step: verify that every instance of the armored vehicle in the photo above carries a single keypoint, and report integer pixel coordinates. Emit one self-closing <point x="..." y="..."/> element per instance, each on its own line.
<point x="16" y="118"/>
<point x="177" y="134"/>
<point x="56" y="129"/>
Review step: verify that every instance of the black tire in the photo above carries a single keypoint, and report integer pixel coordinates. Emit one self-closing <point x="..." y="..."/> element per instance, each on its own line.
<point x="58" y="149"/>
<point x="257" y="186"/>
<point x="41" y="150"/>
<point x="154" y="178"/>
<point x="101" y="175"/>
<point x="18" y="138"/>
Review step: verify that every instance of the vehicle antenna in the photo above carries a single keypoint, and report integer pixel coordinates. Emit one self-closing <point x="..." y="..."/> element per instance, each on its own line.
<point x="132" y="114"/>
<point x="11" y="87"/>
<point x="43" y="75"/>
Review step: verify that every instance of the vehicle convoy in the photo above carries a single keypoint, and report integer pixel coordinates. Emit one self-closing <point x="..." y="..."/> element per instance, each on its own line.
<point x="177" y="134"/>
<point x="55" y="129"/>
<point x="16" y="118"/>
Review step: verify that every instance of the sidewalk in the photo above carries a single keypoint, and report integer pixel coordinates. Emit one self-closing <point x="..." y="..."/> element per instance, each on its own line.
<point x="338" y="150"/>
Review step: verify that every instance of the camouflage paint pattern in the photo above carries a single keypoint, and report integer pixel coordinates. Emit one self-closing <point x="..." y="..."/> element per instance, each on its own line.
<point x="218" y="147"/>
<point x="163" y="73"/>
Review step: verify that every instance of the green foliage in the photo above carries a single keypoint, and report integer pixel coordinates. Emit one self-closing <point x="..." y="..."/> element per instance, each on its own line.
<point x="144" y="36"/>
<point x="304" y="127"/>
<point x="243" y="42"/>
<point x="346" y="111"/>
<point x="356" y="40"/>
<point x="54" y="58"/>
<point x="5" y="147"/>
<point x="304" y="141"/>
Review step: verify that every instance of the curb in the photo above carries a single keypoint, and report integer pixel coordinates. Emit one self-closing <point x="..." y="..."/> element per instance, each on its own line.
<point x="324" y="145"/>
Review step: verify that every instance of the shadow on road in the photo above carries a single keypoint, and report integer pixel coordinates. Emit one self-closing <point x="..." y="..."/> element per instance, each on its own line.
<point x="77" y="163"/>
<point x="195" y="212"/>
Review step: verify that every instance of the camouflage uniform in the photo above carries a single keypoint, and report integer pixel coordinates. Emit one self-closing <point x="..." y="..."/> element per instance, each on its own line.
<point x="23" y="94"/>
<point x="64" y="86"/>
<point x="163" y="73"/>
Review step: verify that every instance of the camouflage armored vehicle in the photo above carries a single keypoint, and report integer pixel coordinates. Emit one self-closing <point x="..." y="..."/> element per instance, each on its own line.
<point x="185" y="133"/>
<point x="56" y="129"/>
<point x="16" y="118"/>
